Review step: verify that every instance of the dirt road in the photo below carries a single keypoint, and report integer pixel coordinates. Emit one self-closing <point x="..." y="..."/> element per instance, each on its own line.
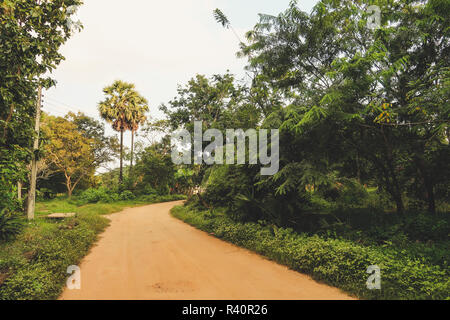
<point x="148" y="254"/>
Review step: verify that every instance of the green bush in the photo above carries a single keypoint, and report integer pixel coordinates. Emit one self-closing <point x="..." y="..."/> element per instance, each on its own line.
<point x="32" y="282"/>
<point x="48" y="253"/>
<point x="108" y="196"/>
<point x="352" y="194"/>
<point x="156" y="199"/>
<point x="94" y="195"/>
<point x="127" y="195"/>
<point x="10" y="225"/>
<point x="37" y="261"/>
<point x="163" y="190"/>
<point x="149" y="190"/>
<point x="425" y="227"/>
<point x="224" y="183"/>
<point x="45" y="194"/>
<point x="338" y="262"/>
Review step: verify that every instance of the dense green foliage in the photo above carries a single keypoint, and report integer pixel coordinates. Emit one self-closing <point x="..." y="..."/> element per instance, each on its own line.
<point x="406" y="272"/>
<point x="103" y="195"/>
<point x="357" y="129"/>
<point x="30" y="36"/>
<point x="10" y="225"/>
<point x="34" y="265"/>
<point x="353" y="108"/>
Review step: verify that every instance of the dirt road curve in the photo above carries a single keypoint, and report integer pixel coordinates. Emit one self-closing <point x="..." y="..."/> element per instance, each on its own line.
<point x="148" y="254"/>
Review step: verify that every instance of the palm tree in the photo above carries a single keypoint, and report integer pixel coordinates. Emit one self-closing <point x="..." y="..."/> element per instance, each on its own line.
<point x="121" y="102"/>
<point x="137" y="118"/>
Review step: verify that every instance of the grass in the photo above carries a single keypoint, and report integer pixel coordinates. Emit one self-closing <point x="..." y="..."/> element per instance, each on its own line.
<point x="34" y="265"/>
<point x="338" y="262"/>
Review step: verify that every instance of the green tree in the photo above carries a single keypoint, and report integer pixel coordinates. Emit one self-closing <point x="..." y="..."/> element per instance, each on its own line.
<point x="353" y="92"/>
<point x="219" y="102"/>
<point x="138" y="118"/>
<point x="119" y="108"/>
<point x="31" y="33"/>
<point x="105" y="147"/>
<point x="69" y="150"/>
<point x="155" y="168"/>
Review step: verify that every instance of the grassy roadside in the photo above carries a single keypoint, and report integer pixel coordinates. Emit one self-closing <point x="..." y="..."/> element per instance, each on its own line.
<point x="34" y="265"/>
<point x="337" y="262"/>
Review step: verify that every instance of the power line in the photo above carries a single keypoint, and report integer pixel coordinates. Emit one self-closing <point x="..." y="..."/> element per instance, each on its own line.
<point x="53" y="109"/>
<point x="60" y="102"/>
<point x="59" y="107"/>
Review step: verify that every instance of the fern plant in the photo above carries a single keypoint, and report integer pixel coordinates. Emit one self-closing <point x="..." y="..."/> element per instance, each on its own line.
<point x="10" y="225"/>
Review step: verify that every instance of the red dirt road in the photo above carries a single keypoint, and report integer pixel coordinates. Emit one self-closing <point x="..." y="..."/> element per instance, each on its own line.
<point x="147" y="254"/>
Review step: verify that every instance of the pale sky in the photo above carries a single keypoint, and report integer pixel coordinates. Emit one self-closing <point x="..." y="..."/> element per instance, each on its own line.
<point x="153" y="44"/>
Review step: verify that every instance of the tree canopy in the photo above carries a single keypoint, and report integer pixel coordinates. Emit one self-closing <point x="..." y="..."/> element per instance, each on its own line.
<point x="31" y="34"/>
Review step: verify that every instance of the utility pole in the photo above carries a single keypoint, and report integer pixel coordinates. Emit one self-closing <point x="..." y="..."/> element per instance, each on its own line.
<point x="32" y="191"/>
<point x="19" y="190"/>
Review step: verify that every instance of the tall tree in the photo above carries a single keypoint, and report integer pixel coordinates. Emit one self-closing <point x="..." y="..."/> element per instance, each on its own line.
<point x="31" y="33"/>
<point x="69" y="150"/>
<point x="105" y="147"/>
<point x="138" y="118"/>
<point x="118" y="108"/>
<point x="220" y="102"/>
<point x="154" y="167"/>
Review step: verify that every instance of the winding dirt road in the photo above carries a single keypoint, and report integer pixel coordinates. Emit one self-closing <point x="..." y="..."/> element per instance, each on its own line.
<point x="147" y="254"/>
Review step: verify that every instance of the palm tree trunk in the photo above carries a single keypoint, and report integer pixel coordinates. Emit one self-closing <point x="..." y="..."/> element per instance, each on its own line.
<point x="121" y="157"/>
<point x="132" y="150"/>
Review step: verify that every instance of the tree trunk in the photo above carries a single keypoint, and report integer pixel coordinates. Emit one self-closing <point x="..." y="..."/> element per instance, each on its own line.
<point x="19" y="190"/>
<point x="358" y="168"/>
<point x="203" y="201"/>
<point x="428" y="183"/>
<point x="431" y="201"/>
<point x="132" y="151"/>
<point x="390" y="182"/>
<point x="396" y="190"/>
<point x="32" y="191"/>
<point x="399" y="203"/>
<point x="68" y="186"/>
<point x="121" y="158"/>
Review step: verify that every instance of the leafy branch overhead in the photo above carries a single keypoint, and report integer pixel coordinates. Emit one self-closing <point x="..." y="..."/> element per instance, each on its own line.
<point x="221" y="18"/>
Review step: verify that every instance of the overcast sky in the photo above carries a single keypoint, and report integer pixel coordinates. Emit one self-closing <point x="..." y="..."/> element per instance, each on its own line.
<point x="154" y="44"/>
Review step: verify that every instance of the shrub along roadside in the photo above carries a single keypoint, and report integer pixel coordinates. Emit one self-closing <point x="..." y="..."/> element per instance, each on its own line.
<point x="33" y="267"/>
<point x="340" y="263"/>
<point x="10" y="225"/>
